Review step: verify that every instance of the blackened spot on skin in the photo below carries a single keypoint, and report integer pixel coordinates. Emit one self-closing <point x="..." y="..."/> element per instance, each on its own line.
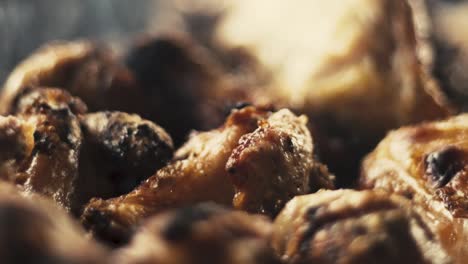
<point x="181" y="225"/>
<point x="144" y="130"/>
<point x="443" y="165"/>
<point x="231" y="170"/>
<point x="100" y="224"/>
<point x="42" y="143"/>
<point x="238" y="105"/>
<point x="288" y="144"/>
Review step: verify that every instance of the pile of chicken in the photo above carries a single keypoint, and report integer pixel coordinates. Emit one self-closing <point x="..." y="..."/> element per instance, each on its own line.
<point x="252" y="140"/>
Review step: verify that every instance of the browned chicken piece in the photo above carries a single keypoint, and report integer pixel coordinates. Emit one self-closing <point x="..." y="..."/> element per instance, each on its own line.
<point x="51" y="168"/>
<point x="428" y="163"/>
<point x="34" y="230"/>
<point x="356" y="75"/>
<point x="347" y="226"/>
<point x="204" y="233"/>
<point x="84" y="69"/>
<point x="198" y="173"/>
<point x="444" y="30"/>
<point x="274" y="163"/>
<point x="120" y="150"/>
<point x="109" y="155"/>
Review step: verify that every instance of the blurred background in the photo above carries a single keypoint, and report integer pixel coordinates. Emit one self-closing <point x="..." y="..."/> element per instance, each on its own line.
<point x="27" y="24"/>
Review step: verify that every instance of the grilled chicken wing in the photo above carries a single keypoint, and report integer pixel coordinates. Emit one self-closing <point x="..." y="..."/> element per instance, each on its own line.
<point x="71" y="156"/>
<point x="51" y="168"/>
<point x="347" y="226"/>
<point x="204" y="233"/>
<point x="199" y="172"/>
<point x="355" y="74"/>
<point x="120" y="150"/>
<point x="274" y="163"/>
<point x="428" y="163"/>
<point x="84" y="69"/>
<point x="34" y="230"/>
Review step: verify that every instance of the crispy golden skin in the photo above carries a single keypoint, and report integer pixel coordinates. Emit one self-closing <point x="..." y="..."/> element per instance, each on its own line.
<point x="120" y="150"/>
<point x="347" y="226"/>
<point x="204" y="233"/>
<point x="427" y="163"/>
<point x="51" y="168"/>
<point x="84" y="69"/>
<point x="274" y="163"/>
<point x="199" y="172"/>
<point x="356" y="76"/>
<point x="34" y="230"/>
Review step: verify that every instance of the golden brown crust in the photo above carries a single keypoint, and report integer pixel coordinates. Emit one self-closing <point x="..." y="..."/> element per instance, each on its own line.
<point x="204" y="233"/>
<point x="427" y="163"/>
<point x="274" y="163"/>
<point x="348" y="226"/>
<point x="197" y="173"/>
<point x="52" y="167"/>
<point x="200" y="171"/>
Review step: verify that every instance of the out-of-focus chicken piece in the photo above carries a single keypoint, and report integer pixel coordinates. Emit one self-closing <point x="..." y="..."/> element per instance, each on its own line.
<point x="183" y="79"/>
<point x="274" y="163"/>
<point x="16" y="144"/>
<point x="196" y="174"/>
<point x="51" y="168"/>
<point x="200" y="172"/>
<point x="429" y="164"/>
<point x="34" y="230"/>
<point x="347" y="226"/>
<point x="350" y="65"/>
<point x="84" y="69"/>
<point x="120" y="150"/>
<point x="205" y="233"/>
<point x="445" y="30"/>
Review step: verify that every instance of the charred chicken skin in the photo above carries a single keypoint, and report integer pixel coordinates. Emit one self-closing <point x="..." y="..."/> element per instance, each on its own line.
<point x="204" y="233"/>
<point x="51" y="168"/>
<point x="54" y="148"/>
<point x="120" y="151"/>
<point x="428" y="164"/>
<point x="347" y="226"/>
<point x="215" y="166"/>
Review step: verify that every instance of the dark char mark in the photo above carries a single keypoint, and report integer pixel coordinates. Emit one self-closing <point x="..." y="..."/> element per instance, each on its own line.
<point x="442" y="166"/>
